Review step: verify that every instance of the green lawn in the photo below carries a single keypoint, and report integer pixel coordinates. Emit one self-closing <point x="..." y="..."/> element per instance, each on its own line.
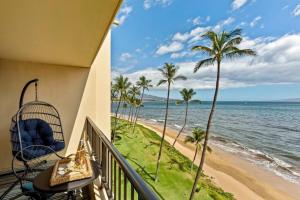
<point x="175" y="178"/>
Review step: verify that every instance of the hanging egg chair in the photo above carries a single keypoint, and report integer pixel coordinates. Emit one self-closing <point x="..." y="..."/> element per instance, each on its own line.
<point x="36" y="129"/>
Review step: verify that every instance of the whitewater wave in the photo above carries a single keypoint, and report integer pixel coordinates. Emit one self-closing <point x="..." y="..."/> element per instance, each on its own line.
<point x="271" y="163"/>
<point x="153" y="120"/>
<point x="177" y="126"/>
<point x="156" y="120"/>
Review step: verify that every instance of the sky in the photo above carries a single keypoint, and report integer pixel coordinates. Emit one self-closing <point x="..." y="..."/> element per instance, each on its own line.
<point x="153" y="32"/>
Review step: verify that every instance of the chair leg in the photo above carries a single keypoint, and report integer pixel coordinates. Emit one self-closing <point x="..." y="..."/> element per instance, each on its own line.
<point x="71" y="195"/>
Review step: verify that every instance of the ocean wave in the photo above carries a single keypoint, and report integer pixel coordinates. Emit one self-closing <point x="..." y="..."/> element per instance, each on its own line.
<point x="271" y="163"/>
<point x="156" y="120"/>
<point x="177" y="126"/>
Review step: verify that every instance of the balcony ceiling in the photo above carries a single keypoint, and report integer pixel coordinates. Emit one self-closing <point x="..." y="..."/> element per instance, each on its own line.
<point x="64" y="32"/>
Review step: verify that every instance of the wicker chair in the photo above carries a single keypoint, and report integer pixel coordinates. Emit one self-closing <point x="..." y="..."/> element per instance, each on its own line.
<point x="36" y="134"/>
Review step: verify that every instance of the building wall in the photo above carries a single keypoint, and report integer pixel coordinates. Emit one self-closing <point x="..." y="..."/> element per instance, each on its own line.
<point x="76" y="92"/>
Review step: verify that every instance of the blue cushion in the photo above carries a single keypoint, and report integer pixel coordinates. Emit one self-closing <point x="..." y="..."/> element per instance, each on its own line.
<point x="38" y="132"/>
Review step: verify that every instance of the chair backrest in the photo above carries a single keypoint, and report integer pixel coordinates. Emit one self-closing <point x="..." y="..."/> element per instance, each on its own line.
<point x="36" y="123"/>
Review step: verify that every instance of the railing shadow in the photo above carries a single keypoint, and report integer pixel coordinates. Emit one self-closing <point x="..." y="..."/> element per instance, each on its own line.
<point x="141" y="170"/>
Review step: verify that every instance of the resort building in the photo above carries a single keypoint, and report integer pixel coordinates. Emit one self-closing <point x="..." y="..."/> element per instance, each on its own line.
<point x="66" y="45"/>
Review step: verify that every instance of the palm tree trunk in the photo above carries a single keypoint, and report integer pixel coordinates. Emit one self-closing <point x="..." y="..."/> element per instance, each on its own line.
<point x="129" y="113"/>
<point x="138" y="111"/>
<point x="116" y="116"/>
<point x="163" y="135"/>
<point x="121" y="110"/>
<point x="207" y="133"/>
<point x="186" y="112"/>
<point x="133" y="117"/>
<point x="196" y="151"/>
<point x="133" y="113"/>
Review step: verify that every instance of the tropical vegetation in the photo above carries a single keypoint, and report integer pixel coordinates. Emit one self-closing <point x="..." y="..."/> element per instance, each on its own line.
<point x="187" y="95"/>
<point x="196" y="138"/>
<point x="217" y="48"/>
<point x="175" y="179"/>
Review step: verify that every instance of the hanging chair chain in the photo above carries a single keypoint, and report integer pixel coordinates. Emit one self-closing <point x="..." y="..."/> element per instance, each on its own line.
<point x="36" y="97"/>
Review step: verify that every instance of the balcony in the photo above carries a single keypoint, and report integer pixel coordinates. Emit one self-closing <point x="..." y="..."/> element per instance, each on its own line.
<point x="117" y="180"/>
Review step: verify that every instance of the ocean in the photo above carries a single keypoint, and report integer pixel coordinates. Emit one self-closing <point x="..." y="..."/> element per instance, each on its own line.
<point x="265" y="133"/>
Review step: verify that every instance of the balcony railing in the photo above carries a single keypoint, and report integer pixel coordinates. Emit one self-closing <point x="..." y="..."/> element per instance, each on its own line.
<point x="118" y="178"/>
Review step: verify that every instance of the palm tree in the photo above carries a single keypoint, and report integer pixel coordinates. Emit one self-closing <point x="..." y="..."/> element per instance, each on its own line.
<point x="222" y="46"/>
<point x="196" y="139"/>
<point x="121" y="85"/>
<point x="169" y="72"/>
<point x="186" y="96"/>
<point x="144" y="84"/>
<point x="124" y="104"/>
<point x="114" y="92"/>
<point x="136" y="104"/>
<point x="133" y="91"/>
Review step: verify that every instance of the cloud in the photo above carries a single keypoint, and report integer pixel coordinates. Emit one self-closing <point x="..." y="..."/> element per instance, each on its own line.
<point x="223" y="23"/>
<point x="296" y="11"/>
<point x="196" y="21"/>
<point x="285" y="7"/>
<point x="183" y="54"/>
<point x="236" y="4"/>
<point x="150" y="3"/>
<point x="173" y="47"/>
<point x="125" y="56"/>
<point x="186" y="39"/>
<point x="255" y="20"/>
<point x="196" y="33"/>
<point x="181" y="37"/>
<point x="124" y="13"/>
<point x="277" y="62"/>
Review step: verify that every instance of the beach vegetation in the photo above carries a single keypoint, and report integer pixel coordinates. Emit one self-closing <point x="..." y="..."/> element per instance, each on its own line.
<point x="175" y="178"/>
<point x="196" y="138"/>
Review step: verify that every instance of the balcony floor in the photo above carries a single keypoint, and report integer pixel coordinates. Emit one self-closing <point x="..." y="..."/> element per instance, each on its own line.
<point x="7" y="180"/>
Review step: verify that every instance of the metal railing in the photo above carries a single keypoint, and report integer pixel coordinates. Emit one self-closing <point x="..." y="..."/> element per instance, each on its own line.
<point x="119" y="179"/>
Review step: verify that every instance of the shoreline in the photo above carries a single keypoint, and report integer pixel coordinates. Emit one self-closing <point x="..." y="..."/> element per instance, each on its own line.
<point x="234" y="174"/>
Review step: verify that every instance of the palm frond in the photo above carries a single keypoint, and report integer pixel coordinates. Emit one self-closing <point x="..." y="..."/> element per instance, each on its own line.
<point x="209" y="35"/>
<point x="180" y="77"/>
<point x="235" y="32"/>
<point x="189" y="139"/>
<point x="161" y="82"/>
<point x="240" y="53"/>
<point x="204" y="63"/>
<point x="233" y="42"/>
<point x="163" y="72"/>
<point x="203" y="49"/>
